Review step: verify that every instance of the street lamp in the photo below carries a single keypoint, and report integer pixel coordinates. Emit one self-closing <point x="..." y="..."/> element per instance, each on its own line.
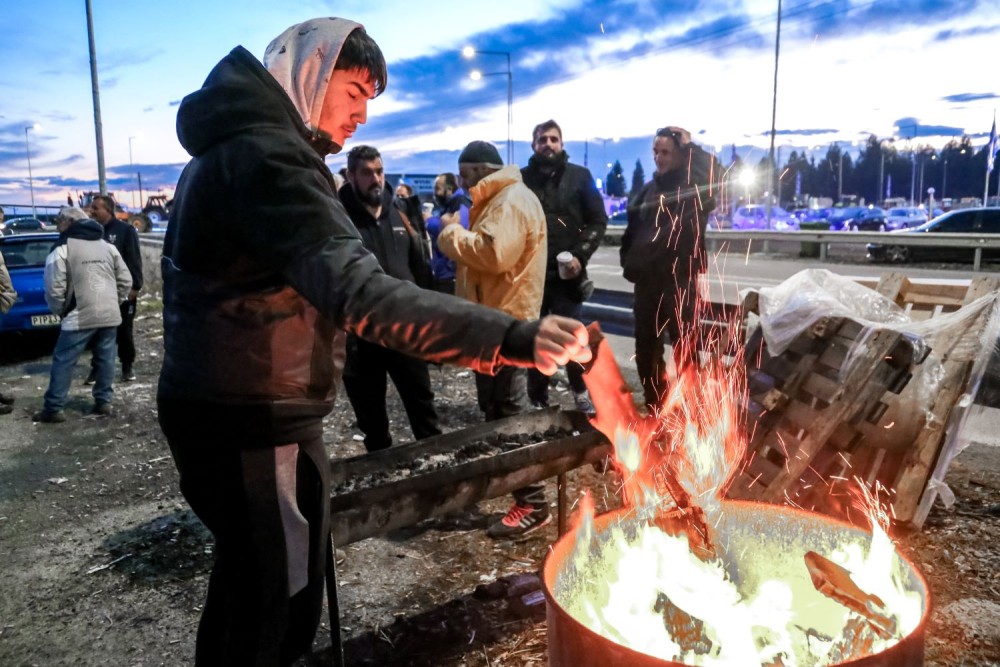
<point x="131" y="169"/>
<point x="476" y="75"/>
<point x="27" y="152"/>
<point x="879" y="193"/>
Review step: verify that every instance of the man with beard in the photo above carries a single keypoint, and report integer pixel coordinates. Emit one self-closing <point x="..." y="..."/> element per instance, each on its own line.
<point x="576" y="221"/>
<point x="387" y="227"/>
<point x="263" y="273"/>
<point x="448" y="199"/>
<point x="663" y="253"/>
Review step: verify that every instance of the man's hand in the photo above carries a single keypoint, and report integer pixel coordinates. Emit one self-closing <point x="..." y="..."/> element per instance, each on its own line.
<point x="574" y="268"/>
<point x="133" y="294"/>
<point x="449" y="219"/>
<point x="683" y="136"/>
<point x="560" y="340"/>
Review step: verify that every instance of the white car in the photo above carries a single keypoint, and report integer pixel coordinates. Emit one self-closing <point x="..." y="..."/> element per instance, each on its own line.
<point x="905" y="217"/>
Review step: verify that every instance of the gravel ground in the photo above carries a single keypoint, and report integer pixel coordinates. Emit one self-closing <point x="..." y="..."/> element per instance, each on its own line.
<point x="105" y="565"/>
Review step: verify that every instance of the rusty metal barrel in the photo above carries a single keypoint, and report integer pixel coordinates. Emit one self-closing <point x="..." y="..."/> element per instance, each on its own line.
<point x="572" y="644"/>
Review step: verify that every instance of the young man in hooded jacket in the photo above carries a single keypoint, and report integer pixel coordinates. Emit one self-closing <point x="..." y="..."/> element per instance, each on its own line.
<point x="263" y="274"/>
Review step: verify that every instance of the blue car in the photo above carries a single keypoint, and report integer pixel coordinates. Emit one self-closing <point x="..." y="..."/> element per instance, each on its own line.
<point x="25" y="256"/>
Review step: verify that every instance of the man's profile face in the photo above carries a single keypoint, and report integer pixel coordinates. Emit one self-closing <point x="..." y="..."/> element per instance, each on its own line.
<point x="368" y="181"/>
<point x="346" y="103"/>
<point x="470" y="174"/>
<point x="548" y="143"/>
<point x="667" y="155"/>
<point x="99" y="211"/>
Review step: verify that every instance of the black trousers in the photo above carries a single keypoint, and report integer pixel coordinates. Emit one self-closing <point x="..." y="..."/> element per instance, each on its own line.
<point x="556" y="301"/>
<point x="663" y="309"/>
<point x="125" y="336"/>
<point x="503" y="395"/>
<point x="268" y="508"/>
<point x="365" y="374"/>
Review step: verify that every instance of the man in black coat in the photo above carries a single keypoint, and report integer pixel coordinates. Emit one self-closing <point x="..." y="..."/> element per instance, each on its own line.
<point x="388" y="228"/>
<point x="263" y="274"/>
<point x="123" y="236"/>
<point x="663" y="254"/>
<point x="576" y="221"/>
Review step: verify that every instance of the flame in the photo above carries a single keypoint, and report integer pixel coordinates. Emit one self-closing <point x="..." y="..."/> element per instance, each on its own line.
<point x="753" y="602"/>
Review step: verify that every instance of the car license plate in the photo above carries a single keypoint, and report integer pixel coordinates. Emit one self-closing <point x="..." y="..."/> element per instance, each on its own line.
<point x="45" y="320"/>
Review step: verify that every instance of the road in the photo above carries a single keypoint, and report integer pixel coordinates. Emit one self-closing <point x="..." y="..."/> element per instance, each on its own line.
<point x="732" y="272"/>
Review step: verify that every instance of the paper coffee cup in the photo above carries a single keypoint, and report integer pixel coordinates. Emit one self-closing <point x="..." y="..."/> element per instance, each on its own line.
<point x="565" y="260"/>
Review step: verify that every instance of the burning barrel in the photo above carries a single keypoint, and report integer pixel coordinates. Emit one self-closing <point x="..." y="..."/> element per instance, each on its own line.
<point x="620" y="591"/>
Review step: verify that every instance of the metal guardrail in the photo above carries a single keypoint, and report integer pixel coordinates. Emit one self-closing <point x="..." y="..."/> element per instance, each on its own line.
<point x="976" y="242"/>
<point x="614" y="310"/>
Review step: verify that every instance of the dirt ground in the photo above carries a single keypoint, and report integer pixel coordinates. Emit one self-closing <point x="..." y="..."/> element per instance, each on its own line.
<point x="103" y="564"/>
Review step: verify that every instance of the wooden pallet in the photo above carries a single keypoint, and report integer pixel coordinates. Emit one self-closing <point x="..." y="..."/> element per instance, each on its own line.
<point x="817" y="423"/>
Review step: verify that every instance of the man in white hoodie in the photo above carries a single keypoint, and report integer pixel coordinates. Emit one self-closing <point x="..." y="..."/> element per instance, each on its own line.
<point x="85" y="281"/>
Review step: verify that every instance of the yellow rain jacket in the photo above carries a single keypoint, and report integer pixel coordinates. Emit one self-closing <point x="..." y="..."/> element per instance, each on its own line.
<point x="501" y="257"/>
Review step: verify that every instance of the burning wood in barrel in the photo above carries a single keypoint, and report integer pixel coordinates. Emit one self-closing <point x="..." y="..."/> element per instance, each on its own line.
<point x="682" y="576"/>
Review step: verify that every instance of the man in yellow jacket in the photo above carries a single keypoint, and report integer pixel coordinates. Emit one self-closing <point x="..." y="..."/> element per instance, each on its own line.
<point x="501" y="262"/>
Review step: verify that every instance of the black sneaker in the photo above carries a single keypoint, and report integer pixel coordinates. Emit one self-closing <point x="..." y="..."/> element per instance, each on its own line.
<point x="91" y="376"/>
<point x="127" y="373"/>
<point x="520" y="520"/>
<point x="46" y="417"/>
<point x="102" y="410"/>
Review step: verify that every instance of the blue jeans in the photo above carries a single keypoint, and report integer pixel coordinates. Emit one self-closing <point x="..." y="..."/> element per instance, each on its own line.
<point x="69" y="347"/>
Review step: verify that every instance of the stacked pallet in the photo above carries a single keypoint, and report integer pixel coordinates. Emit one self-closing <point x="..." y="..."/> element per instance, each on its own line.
<point x="846" y="401"/>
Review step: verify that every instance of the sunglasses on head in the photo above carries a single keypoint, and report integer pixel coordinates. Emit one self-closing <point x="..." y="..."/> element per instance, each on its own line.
<point x="667" y="132"/>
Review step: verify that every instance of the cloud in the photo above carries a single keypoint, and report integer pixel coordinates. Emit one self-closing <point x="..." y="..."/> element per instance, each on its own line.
<point x="910" y="128"/>
<point x="976" y="31"/>
<point x="970" y="97"/>
<point x="801" y="133"/>
<point x="838" y="18"/>
<point x="173" y="103"/>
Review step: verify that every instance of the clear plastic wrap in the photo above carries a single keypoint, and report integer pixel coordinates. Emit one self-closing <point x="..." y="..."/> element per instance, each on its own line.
<point x="969" y="334"/>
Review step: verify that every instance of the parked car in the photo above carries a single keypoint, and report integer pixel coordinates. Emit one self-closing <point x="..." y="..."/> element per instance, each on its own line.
<point x="25" y="256"/>
<point x="24" y="225"/>
<point x="840" y="218"/>
<point x="903" y="217"/>
<point x="754" y="216"/>
<point x="964" y="221"/>
<point x="869" y="220"/>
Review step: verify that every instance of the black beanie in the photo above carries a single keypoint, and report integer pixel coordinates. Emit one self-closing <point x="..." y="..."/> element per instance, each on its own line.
<point x="480" y="152"/>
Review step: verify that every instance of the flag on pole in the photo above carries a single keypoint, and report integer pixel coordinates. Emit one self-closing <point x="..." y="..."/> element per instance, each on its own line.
<point x="991" y="149"/>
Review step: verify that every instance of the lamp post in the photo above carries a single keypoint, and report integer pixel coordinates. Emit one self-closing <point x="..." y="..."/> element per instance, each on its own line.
<point x="469" y="52"/>
<point x="27" y="152"/>
<point x="131" y="169"/>
<point x="880" y="193"/>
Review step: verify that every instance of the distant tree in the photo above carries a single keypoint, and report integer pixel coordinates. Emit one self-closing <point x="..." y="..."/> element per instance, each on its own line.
<point x="638" y="179"/>
<point x="614" y="184"/>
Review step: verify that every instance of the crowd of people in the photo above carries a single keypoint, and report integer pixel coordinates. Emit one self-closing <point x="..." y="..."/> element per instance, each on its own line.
<point x="281" y="277"/>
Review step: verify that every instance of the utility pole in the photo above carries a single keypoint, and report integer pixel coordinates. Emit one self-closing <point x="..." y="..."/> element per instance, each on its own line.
<point x="98" y="131"/>
<point x="774" y="115"/>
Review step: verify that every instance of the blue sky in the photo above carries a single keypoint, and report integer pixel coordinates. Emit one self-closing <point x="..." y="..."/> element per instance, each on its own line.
<point x="609" y="71"/>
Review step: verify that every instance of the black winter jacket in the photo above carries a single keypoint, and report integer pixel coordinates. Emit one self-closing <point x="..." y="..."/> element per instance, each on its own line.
<point x="574" y="211"/>
<point x="665" y="237"/>
<point x="123" y="236"/>
<point x="394" y="242"/>
<point x="263" y="270"/>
